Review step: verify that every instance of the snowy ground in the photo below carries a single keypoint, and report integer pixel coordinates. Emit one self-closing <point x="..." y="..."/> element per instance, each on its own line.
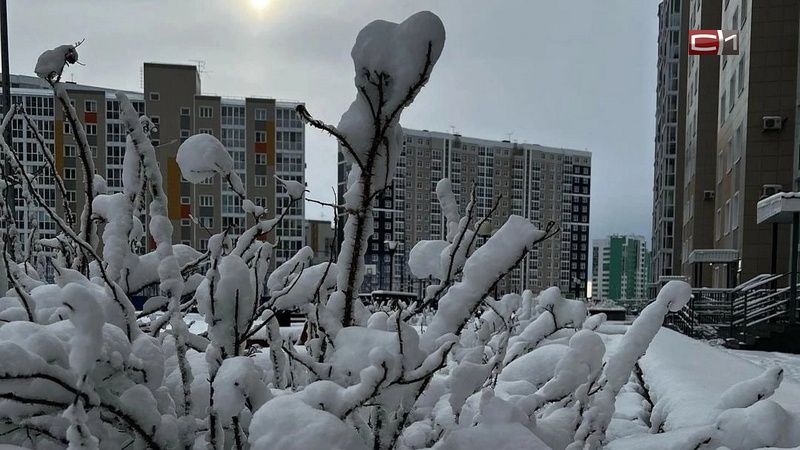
<point x="198" y="325"/>
<point x="790" y="363"/>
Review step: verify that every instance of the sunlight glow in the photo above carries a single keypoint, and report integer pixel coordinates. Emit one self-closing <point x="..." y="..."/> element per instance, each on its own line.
<point x="259" y="4"/>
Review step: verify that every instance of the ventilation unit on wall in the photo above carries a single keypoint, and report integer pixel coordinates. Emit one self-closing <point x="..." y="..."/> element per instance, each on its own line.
<point x="773" y="123"/>
<point x="768" y="190"/>
<point x="708" y="195"/>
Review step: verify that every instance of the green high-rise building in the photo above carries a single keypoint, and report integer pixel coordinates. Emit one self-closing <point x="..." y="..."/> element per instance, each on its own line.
<point x="620" y="268"/>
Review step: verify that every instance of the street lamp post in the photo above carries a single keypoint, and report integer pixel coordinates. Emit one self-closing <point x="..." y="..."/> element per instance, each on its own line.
<point x="392" y="246"/>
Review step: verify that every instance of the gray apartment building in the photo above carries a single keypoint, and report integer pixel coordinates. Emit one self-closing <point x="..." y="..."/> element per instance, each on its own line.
<point x="263" y="136"/>
<point x="540" y="183"/>
<point x="669" y="147"/>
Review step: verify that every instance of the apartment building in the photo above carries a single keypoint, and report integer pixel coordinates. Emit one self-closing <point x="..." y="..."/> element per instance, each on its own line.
<point x="321" y="237"/>
<point x="264" y="137"/>
<point x="669" y="144"/>
<point x="540" y="183"/>
<point x="620" y="268"/>
<point x="743" y="148"/>
<point x="702" y="115"/>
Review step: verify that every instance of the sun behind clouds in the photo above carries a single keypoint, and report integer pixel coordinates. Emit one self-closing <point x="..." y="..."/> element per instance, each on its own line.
<point x="259" y="5"/>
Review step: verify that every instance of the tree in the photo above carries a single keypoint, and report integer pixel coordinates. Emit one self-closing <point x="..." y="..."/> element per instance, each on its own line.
<point x="84" y="369"/>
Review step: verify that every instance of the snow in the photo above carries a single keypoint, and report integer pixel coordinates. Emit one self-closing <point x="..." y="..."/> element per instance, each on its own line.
<point x="512" y="436"/>
<point x="521" y="372"/>
<point x="294" y="189"/>
<point x="201" y="156"/>
<point x="52" y="62"/>
<point x="689" y="378"/>
<point x="499" y="254"/>
<point x="87" y="316"/>
<point x="251" y="208"/>
<point x="238" y="383"/>
<point x="788" y="362"/>
<point x="288" y="423"/>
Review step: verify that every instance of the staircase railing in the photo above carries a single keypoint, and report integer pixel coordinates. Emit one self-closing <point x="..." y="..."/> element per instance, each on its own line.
<point x="735" y="312"/>
<point x="759" y="303"/>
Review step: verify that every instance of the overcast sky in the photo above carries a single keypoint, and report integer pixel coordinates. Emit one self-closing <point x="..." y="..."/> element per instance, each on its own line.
<point x="578" y="74"/>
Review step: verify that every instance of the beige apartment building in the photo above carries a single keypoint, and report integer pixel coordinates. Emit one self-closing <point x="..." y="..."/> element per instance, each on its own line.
<point x="264" y="137"/>
<point x="540" y="183"/>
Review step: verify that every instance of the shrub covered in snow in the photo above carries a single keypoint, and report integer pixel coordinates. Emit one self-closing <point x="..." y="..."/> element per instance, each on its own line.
<point x="81" y="368"/>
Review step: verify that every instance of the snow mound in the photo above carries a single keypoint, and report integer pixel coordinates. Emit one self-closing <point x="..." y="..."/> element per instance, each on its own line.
<point x="287" y="423"/>
<point x="201" y="156"/>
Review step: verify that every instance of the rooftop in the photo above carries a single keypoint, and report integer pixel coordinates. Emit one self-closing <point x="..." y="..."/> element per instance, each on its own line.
<point x="497" y="143"/>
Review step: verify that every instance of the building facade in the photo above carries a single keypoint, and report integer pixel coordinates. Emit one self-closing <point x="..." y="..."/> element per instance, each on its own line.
<point x="756" y="144"/>
<point x="540" y="183"/>
<point x="741" y="138"/>
<point x="702" y="115"/>
<point x="263" y="136"/>
<point x="669" y="144"/>
<point x="620" y="268"/>
<point x="321" y="237"/>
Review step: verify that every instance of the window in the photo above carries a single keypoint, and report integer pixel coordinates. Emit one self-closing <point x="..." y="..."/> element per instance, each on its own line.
<point x="744" y="11"/>
<point x="203" y="245"/>
<point x="185" y="200"/>
<point x="727" y="214"/>
<point x="207" y="222"/>
<point x="185" y="111"/>
<point x="156" y="120"/>
<point x="735" y="211"/>
<point x="260" y="114"/>
<point x="90" y="106"/>
<point x="69" y="151"/>
<point x="206" y="112"/>
<point x="69" y="173"/>
<point x="91" y="129"/>
<point x="206" y="131"/>
<point x="155" y="96"/>
<point x="93" y="151"/>
<point x="723" y="107"/>
<point x="261" y="180"/>
<point x="738" y="143"/>
<point x="206" y="200"/>
<point x="261" y="136"/>
<point x="185" y="133"/>
<point x="732" y="89"/>
<point x="261" y="158"/>
<point x="186" y="222"/>
<point x="735" y="20"/>
<point x="741" y="73"/>
<point x="67" y="128"/>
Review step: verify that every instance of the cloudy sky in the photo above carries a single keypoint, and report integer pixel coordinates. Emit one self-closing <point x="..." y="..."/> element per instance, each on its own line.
<point x="568" y="73"/>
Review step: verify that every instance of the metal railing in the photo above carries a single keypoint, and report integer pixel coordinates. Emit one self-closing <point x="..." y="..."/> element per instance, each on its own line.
<point x="734" y="313"/>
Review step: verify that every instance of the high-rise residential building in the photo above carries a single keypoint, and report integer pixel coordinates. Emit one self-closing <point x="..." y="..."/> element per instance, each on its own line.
<point x="702" y="115"/>
<point x="264" y="137"/>
<point x="540" y="183"/>
<point x="741" y="140"/>
<point x="619" y="268"/>
<point x="321" y="237"/>
<point x="669" y="142"/>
